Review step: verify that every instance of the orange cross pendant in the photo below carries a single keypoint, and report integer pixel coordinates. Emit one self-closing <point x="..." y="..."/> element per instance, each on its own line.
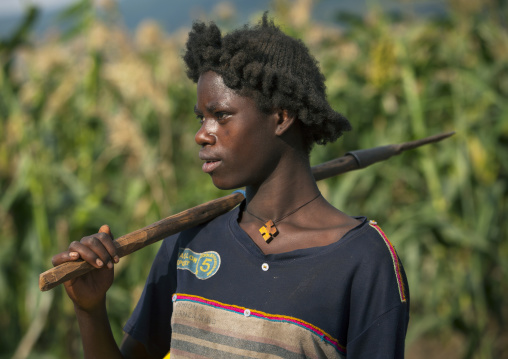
<point x="268" y="231"/>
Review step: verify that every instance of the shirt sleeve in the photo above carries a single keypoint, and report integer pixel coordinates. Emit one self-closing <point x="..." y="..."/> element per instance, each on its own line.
<point x="379" y="309"/>
<point x="384" y="339"/>
<point x="150" y="322"/>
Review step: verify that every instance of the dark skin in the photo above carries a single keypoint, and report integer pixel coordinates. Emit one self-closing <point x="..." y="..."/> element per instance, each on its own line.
<point x="88" y="293"/>
<point x="241" y="147"/>
<point x="265" y="154"/>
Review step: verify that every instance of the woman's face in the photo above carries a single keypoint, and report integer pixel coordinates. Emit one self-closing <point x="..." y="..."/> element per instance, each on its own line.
<point x="238" y="141"/>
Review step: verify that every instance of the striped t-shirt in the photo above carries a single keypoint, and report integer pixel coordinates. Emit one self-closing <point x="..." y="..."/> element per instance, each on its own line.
<point x="212" y="293"/>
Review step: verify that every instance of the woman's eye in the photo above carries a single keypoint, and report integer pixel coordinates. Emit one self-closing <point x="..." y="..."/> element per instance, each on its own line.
<point x="221" y="115"/>
<point x="200" y="118"/>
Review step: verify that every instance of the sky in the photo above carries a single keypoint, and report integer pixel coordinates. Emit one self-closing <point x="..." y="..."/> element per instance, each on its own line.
<point x="173" y="14"/>
<point x="15" y="7"/>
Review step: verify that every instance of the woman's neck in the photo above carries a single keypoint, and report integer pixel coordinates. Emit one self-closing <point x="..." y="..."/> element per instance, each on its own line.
<point x="287" y="188"/>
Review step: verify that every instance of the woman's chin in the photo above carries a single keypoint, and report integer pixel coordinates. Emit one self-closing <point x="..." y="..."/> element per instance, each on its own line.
<point x="224" y="184"/>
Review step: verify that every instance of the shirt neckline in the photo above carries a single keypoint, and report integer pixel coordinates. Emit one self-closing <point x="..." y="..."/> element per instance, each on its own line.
<point x="249" y="245"/>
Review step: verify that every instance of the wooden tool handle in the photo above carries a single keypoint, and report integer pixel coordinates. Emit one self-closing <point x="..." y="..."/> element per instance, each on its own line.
<point x="140" y="238"/>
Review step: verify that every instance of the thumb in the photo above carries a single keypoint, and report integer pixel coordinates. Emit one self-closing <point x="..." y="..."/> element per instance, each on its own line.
<point x="105" y="229"/>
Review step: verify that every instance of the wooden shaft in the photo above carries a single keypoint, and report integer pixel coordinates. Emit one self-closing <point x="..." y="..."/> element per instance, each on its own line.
<point x="140" y="238"/>
<point x="192" y="217"/>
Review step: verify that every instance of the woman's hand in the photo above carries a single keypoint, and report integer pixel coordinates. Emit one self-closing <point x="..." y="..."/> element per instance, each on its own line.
<point x="89" y="290"/>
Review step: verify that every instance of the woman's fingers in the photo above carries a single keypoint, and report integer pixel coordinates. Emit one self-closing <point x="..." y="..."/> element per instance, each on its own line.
<point x="108" y="243"/>
<point x="64" y="257"/>
<point x="91" y="250"/>
<point x="98" y="249"/>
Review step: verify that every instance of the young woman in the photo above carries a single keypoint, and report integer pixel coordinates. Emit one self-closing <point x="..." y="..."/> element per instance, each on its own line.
<point x="285" y="274"/>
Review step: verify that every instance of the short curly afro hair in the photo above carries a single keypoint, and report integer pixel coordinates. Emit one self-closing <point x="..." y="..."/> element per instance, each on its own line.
<point x="275" y="69"/>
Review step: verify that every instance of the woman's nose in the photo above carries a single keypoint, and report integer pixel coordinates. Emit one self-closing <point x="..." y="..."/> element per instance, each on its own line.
<point x="204" y="136"/>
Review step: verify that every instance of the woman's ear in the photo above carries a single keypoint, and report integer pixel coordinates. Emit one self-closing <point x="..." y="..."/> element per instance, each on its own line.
<point x="284" y="121"/>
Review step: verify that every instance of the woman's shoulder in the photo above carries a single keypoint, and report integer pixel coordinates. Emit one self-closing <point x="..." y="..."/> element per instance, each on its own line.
<point x="377" y="260"/>
<point x="369" y="239"/>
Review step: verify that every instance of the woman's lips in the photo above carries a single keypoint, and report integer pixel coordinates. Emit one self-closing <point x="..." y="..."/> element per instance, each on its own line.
<point x="210" y="166"/>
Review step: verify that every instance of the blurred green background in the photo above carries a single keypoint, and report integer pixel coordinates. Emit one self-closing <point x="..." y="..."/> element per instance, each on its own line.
<point x="96" y="126"/>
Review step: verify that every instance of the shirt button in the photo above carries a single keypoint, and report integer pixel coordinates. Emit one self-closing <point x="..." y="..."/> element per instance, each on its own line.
<point x="265" y="266"/>
<point x="174" y="297"/>
<point x="246" y="312"/>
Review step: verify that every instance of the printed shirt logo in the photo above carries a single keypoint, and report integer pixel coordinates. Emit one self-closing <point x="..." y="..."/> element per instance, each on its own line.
<point x="202" y="265"/>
